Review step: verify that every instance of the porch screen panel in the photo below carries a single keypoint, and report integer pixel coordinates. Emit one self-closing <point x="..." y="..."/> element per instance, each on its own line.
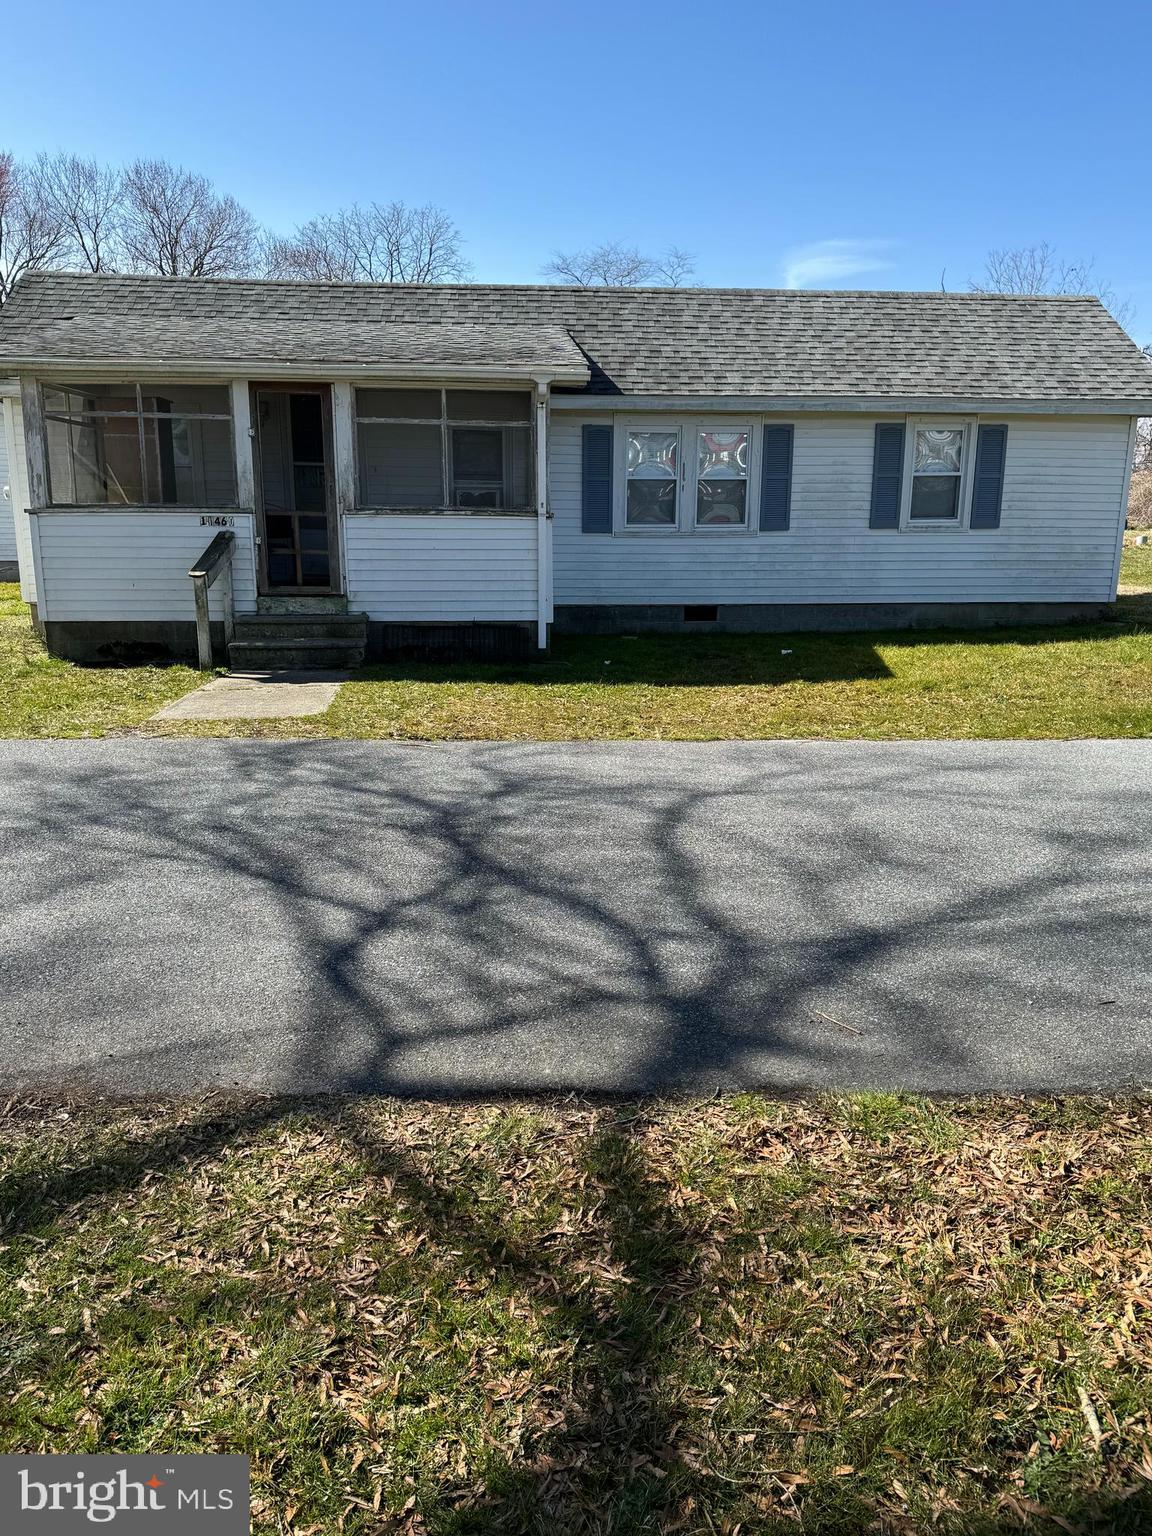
<point x="401" y="465"/>
<point x="444" y="448"/>
<point x="140" y="445"/>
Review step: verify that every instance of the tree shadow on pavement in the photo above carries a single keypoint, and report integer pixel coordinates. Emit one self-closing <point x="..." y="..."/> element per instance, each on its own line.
<point x="492" y="920"/>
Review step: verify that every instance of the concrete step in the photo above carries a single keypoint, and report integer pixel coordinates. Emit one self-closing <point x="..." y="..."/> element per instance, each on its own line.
<point x="325" y="603"/>
<point x="350" y="628"/>
<point x="305" y="654"/>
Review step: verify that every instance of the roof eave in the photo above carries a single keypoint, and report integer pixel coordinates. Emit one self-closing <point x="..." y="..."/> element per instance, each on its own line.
<point x="278" y="369"/>
<point x="873" y="405"/>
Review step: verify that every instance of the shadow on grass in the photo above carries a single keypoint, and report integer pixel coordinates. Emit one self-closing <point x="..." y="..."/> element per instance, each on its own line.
<point x="735" y="660"/>
<point x="622" y="1295"/>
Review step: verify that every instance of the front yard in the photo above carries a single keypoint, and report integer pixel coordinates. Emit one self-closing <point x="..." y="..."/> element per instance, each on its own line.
<point x="1084" y="681"/>
<point x="562" y="1317"/>
<point x="41" y="696"/>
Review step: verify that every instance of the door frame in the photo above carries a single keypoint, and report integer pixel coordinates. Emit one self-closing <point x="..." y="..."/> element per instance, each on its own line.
<point x="335" y="586"/>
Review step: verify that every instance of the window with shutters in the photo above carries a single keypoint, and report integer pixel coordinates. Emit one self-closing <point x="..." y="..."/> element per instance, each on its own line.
<point x="937" y="473"/>
<point x="433" y="449"/>
<point x="685" y="476"/>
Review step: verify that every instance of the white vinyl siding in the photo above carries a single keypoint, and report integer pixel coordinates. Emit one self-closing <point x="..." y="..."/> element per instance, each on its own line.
<point x="1063" y="487"/>
<point x="18" y="472"/>
<point x="133" y="565"/>
<point x="7" y="494"/>
<point x="453" y="569"/>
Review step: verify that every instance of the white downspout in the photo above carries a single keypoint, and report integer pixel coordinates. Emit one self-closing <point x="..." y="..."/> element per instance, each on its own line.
<point x="543" y="518"/>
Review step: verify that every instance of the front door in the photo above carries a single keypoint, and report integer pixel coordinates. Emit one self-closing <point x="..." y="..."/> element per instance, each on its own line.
<point x="294" y="475"/>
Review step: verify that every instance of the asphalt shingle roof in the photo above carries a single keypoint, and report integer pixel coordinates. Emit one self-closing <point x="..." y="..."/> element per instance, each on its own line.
<point x="177" y="338"/>
<point x="643" y="341"/>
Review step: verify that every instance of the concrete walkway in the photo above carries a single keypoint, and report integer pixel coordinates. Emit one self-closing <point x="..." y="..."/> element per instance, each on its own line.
<point x="177" y="915"/>
<point x="257" y="696"/>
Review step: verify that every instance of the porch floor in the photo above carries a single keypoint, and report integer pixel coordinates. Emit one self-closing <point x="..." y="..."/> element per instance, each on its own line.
<point x="257" y="696"/>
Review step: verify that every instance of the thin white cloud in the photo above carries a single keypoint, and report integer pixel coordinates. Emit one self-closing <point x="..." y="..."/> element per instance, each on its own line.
<point x="827" y="263"/>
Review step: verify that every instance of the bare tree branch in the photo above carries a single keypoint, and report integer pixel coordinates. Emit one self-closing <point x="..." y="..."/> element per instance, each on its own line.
<point x="86" y="200"/>
<point x="1142" y="458"/>
<point x="176" y="225"/>
<point x="376" y="243"/>
<point x="613" y="265"/>
<point x="30" y="236"/>
<point x="1040" y="269"/>
<point x="674" y="266"/>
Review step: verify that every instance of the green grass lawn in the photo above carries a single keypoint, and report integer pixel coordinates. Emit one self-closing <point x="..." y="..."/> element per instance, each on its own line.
<point x="1081" y="681"/>
<point x="562" y="1318"/>
<point x="42" y="696"/>
<point x="1136" y="565"/>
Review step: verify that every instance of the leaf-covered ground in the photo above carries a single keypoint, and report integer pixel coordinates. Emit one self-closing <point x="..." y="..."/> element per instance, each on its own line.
<point x="564" y="1317"/>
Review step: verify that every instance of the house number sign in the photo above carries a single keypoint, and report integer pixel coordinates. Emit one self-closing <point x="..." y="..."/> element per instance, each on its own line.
<point x="217" y="520"/>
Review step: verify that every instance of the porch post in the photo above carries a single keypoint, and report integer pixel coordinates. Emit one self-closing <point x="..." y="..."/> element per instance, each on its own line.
<point x="344" y="469"/>
<point x="543" y="519"/>
<point x="32" y="407"/>
<point x="242" y="439"/>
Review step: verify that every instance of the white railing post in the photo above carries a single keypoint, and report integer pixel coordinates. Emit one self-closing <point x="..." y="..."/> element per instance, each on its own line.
<point x="203" y="623"/>
<point x="229" y="602"/>
<point x="215" y="561"/>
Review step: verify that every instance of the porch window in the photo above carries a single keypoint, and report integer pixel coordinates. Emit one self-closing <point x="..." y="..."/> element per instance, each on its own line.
<point x="140" y="445"/>
<point x="444" y="448"/>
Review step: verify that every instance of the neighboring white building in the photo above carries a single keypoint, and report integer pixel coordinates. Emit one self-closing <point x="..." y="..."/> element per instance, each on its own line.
<point x="8" y="567"/>
<point x="470" y="466"/>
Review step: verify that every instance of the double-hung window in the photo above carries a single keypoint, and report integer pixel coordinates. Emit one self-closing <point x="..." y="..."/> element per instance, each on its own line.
<point x="938" y="473"/>
<point x="722" y="465"/>
<point x="140" y="445"/>
<point x="430" y="449"/>
<point x="652" y="497"/>
<point x="685" y="477"/>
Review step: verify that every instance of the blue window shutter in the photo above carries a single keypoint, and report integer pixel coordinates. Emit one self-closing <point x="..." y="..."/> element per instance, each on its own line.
<point x="988" y="480"/>
<point x="887" y="472"/>
<point x="596" y="481"/>
<point x="776" y="479"/>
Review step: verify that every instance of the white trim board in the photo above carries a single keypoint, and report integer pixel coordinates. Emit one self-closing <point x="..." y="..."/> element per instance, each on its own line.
<point x="778" y="405"/>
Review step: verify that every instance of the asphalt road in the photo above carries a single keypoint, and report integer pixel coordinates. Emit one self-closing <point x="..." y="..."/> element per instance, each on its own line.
<point x="455" y="918"/>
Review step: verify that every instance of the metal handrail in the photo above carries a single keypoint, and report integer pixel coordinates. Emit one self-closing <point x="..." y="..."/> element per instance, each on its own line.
<point x="215" y="561"/>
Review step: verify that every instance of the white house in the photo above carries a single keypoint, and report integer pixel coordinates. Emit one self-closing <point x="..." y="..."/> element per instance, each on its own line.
<point x="8" y="566"/>
<point x="467" y="467"/>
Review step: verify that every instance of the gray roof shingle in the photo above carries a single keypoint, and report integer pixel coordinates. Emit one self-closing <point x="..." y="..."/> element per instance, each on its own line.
<point x="178" y="338"/>
<point x="639" y="341"/>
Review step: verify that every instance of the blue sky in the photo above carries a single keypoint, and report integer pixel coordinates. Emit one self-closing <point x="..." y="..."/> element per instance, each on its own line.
<point x="845" y="145"/>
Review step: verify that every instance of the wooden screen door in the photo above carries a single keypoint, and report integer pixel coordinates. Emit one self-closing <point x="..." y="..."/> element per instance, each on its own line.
<point x="294" y="473"/>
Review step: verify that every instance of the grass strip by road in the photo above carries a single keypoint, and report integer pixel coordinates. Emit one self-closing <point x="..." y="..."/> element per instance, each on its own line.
<point x="875" y="1313"/>
<point x="41" y="695"/>
<point x="1078" y="681"/>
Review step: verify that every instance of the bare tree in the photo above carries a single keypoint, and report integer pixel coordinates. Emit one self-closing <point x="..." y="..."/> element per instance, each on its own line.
<point x="375" y="243"/>
<point x="86" y="199"/>
<point x="1140" y="488"/>
<point x="613" y="265"/>
<point x="30" y="236"/>
<point x="174" y="223"/>
<point x="1040" y="269"/>
<point x="1143" y="456"/>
